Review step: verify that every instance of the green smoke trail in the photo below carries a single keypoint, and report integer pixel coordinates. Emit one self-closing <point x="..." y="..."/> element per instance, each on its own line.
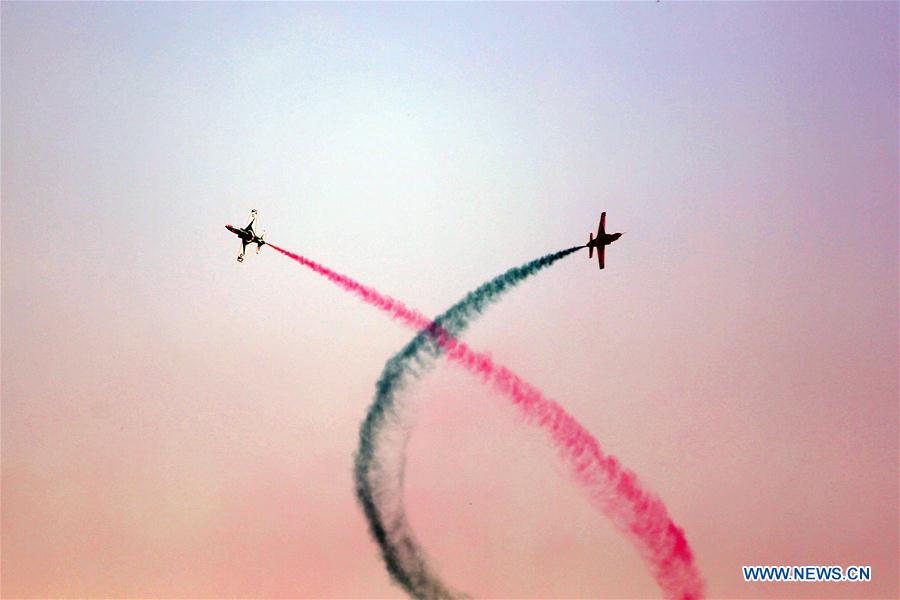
<point x="383" y="435"/>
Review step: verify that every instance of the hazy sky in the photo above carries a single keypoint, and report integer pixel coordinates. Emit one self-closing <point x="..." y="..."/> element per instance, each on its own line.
<point x="177" y="424"/>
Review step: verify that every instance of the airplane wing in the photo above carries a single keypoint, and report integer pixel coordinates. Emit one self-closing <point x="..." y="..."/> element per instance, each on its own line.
<point x="602" y="229"/>
<point x="601" y="255"/>
<point x="249" y="226"/>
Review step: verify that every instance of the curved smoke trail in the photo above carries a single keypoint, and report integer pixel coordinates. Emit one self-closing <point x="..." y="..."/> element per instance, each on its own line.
<point x="638" y="514"/>
<point x="382" y="436"/>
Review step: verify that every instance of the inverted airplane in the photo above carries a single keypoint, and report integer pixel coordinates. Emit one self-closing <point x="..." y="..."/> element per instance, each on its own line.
<point x="602" y="240"/>
<point x="248" y="236"/>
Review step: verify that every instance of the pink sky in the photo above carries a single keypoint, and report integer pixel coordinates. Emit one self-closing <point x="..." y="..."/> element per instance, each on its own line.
<point x="176" y="424"/>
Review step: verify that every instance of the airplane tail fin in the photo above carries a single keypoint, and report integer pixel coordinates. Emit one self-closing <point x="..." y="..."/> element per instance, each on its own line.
<point x="590" y="248"/>
<point x="261" y="242"/>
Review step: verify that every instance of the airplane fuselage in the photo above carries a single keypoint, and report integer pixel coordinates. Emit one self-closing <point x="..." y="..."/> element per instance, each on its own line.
<point x="245" y="235"/>
<point x="248" y="236"/>
<point x="605" y="240"/>
<point x="600" y="242"/>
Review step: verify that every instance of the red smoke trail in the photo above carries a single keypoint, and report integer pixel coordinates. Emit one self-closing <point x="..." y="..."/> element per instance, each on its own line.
<point x="640" y="515"/>
<point x="398" y="310"/>
<point x="637" y="513"/>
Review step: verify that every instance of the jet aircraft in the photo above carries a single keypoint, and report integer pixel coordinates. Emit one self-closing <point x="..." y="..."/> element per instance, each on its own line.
<point x="248" y="236"/>
<point x="602" y="240"/>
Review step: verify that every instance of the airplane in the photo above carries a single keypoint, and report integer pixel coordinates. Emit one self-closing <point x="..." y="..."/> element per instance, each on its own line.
<point x="248" y="236"/>
<point x="602" y="240"/>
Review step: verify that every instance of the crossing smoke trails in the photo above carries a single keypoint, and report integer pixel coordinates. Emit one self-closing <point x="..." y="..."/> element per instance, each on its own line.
<point x="641" y="516"/>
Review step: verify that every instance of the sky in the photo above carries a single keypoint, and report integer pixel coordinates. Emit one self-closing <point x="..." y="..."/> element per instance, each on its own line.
<point x="177" y="424"/>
